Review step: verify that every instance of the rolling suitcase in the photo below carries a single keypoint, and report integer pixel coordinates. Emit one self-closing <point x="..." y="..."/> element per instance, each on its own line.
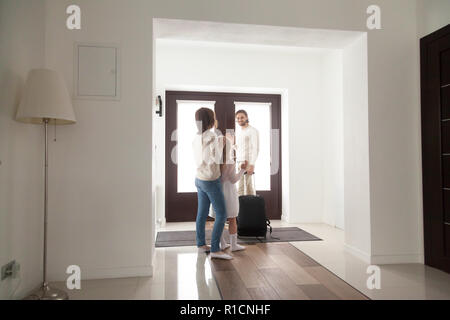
<point x="252" y="220"/>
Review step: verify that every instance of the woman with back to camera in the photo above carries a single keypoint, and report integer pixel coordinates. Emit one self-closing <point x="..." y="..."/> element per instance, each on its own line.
<point x="208" y="152"/>
<point x="228" y="178"/>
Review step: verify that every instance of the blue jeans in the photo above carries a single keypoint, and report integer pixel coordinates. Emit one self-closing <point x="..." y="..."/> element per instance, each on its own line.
<point x="210" y="192"/>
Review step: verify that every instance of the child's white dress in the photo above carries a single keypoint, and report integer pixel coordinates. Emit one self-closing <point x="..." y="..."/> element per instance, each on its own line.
<point x="228" y="178"/>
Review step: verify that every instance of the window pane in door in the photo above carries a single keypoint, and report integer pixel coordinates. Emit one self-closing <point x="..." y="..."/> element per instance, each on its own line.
<point x="186" y="131"/>
<point x="259" y="117"/>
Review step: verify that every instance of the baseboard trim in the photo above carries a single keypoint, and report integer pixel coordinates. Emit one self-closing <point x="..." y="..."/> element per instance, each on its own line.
<point x="397" y="259"/>
<point x="384" y="258"/>
<point x="364" y="256"/>
<point x="107" y="273"/>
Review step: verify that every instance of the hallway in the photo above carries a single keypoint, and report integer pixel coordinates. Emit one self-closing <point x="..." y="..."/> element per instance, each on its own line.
<point x="318" y="270"/>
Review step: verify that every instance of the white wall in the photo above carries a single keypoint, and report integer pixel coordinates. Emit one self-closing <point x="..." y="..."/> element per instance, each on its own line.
<point x="100" y="203"/>
<point x="356" y="152"/>
<point x="394" y="135"/>
<point x="21" y="146"/>
<point x="432" y="15"/>
<point x="333" y="138"/>
<point x="299" y="73"/>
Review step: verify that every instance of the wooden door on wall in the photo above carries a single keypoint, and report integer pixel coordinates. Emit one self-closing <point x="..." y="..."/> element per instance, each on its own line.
<point x="435" y="92"/>
<point x="264" y="112"/>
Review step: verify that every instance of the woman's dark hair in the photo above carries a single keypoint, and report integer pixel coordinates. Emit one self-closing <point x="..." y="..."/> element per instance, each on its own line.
<point x="243" y="112"/>
<point x="204" y="119"/>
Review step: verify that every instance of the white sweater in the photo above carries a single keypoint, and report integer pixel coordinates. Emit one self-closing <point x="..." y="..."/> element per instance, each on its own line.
<point x="228" y="179"/>
<point x="247" y="146"/>
<point x="208" y="150"/>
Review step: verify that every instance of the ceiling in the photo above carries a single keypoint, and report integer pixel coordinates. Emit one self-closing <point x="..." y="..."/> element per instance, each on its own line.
<point x="189" y="30"/>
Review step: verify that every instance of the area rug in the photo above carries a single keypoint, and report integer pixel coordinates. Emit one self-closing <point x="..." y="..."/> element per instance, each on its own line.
<point x="187" y="238"/>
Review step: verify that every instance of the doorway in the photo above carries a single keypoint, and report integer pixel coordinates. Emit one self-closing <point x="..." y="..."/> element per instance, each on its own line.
<point x="321" y="88"/>
<point x="264" y="111"/>
<point x="435" y="86"/>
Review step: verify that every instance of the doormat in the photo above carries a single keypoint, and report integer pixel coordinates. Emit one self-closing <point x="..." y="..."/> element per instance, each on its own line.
<point x="187" y="238"/>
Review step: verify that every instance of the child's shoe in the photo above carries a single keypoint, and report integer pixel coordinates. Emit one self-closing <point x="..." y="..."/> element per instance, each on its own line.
<point x="234" y="245"/>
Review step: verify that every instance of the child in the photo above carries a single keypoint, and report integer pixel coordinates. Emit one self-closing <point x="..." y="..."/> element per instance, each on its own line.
<point x="228" y="178"/>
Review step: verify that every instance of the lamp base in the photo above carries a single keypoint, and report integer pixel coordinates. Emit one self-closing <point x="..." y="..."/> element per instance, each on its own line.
<point x="48" y="293"/>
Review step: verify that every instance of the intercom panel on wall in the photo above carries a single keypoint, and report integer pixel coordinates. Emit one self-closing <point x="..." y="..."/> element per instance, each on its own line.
<point x="96" y="71"/>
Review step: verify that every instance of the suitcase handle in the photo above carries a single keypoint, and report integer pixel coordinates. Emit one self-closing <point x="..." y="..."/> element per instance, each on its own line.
<point x="253" y="181"/>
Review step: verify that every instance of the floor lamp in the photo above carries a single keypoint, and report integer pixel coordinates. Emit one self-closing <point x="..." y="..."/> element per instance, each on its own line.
<point x="45" y="101"/>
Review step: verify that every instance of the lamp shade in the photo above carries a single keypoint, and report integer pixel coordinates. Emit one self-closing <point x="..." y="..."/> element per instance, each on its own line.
<point x="45" y="97"/>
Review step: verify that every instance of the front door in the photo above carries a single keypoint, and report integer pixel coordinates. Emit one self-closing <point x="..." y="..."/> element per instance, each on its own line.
<point x="435" y="86"/>
<point x="264" y="113"/>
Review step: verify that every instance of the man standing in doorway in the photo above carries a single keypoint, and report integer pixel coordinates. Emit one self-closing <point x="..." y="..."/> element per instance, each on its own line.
<point x="247" y="150"/>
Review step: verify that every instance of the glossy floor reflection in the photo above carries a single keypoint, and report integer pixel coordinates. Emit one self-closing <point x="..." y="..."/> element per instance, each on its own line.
<point x="180" y="273"/>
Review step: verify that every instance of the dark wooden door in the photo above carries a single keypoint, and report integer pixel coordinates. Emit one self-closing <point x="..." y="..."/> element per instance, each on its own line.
<point x="181" y="198"/>
<point x="435" y="95"/>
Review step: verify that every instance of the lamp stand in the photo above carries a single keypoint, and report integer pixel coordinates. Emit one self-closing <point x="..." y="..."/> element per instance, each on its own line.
<point x="47" y="292"/>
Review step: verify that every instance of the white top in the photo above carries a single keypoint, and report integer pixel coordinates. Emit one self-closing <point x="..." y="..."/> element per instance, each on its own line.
<point x="228" y="179"/>
<point x="208" y="150"/>
<point x="247" y="145"/>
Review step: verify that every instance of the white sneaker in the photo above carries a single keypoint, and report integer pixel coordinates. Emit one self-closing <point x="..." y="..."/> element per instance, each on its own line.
<point x="237" y="247"/>
<point x="234" y="245"/>
<point x="221" y="255"/>
<point x="204" y="249"/>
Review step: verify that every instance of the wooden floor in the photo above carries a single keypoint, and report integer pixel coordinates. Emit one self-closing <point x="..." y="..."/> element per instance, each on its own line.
<point x="269" y="271"/>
